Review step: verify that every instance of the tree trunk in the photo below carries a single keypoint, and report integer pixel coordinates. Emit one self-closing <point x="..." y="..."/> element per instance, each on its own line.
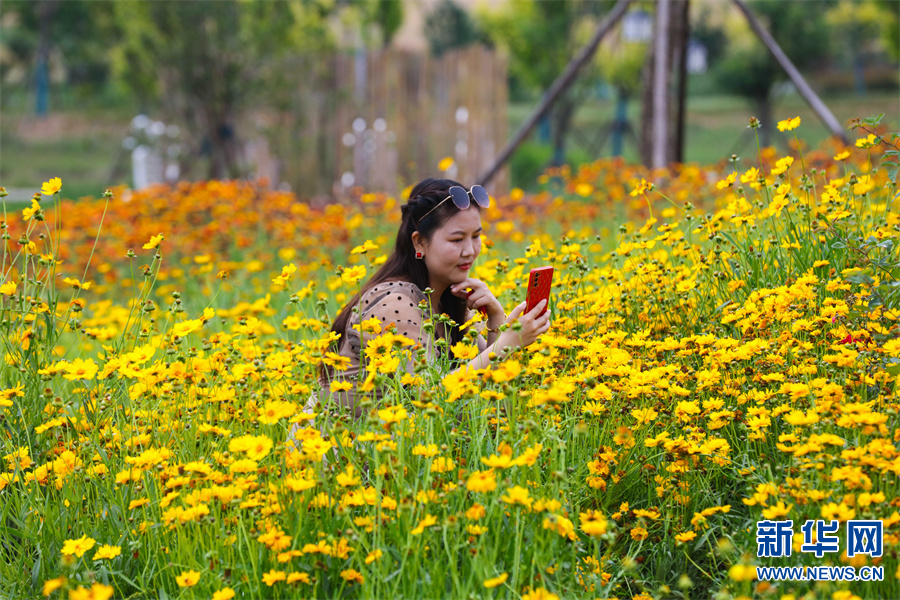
<point x="680" y="35"/>
<point x="668" y="139"/>
<point x="562" y="120"/>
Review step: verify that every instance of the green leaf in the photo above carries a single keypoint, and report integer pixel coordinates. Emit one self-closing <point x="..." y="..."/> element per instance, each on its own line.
<point x="873" y="120"/>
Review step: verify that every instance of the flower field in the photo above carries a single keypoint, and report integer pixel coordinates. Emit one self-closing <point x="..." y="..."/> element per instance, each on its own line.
<point x="724" y="350"/>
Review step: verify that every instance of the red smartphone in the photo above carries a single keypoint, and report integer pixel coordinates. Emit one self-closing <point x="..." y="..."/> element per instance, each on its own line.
<point x="539" y="281"/>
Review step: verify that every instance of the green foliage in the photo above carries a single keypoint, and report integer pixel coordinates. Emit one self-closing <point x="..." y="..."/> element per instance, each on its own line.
<point x="622" y="67"/>
<point x="748" y="67"/>
<point x="448" y="26"/>
<point x="70" y="35"/>
<point x="389" y="17"/>
<point x="542" y="37"/>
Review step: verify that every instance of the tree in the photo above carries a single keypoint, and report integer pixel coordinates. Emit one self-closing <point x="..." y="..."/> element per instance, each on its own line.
<point x="749" y="70"/>
<point x="541" y="38"/>
<point x="448" y="26"/>
<point x="208" y="62"/>
<point x="388" y="14"/>
<point x="34" y="33"/>
<point x="860" y="26"/>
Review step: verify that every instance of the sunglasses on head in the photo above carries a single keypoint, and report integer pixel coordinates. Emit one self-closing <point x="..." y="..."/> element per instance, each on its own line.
<point x="461" y="198"/>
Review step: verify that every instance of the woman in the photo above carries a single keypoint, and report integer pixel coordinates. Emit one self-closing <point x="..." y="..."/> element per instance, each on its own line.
<point x="437" y="244"/>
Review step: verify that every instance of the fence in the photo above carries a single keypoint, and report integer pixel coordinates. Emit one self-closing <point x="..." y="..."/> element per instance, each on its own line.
<point x="384" y="119"/>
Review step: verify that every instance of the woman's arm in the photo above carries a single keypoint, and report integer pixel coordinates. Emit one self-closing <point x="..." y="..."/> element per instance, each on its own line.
<point x="492" y="347"/>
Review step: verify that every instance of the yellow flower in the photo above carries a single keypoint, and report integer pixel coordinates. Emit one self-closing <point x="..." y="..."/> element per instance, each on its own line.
<point x="639" y="533"/>
<point x="507" y="371"/>
<point x="273" y="577"/>
<point x="685" y="537"/>
<point x="742" y="572"/>
<point x="779" y="510"/>
<point x="539" y="594"/>
<point x="185" y="327"/>
<point x="428" y="521"/>
<point x="154" y="241"/>
<point x="495" y="581"/>
<point x="53" y="584"/>
<point x="107" y="551"/>
<point x="644" y="415"/>
<point x="352" y="575"/>
<point x="364" y="248"/>
<point x="782" y="165"/>
<point x="78" y="547"/>
<point x="464" y="351"/>
<point x="866" y="142"/>
<point x="32" y="210"/>
<point x="51" y="187"/>
<point x="789" y="124"/>
<point x="593" y="522"/>
<point x="97" y="591"/>
<point x="643" y="187"/>
<point x="391" y="415"/>
<point x="842" y="155"/>
<point x="482" y="481"/>
<point x="373" y="556"/>
<point x="517" y="495"/>
<point x="77" y="284"/>
<point x="445" y="163"/>
<point x="188" y="578"/>
<point x="475" y="512"/>
<point x="8" y="288"/>
<point x="353" y="274"/>
<point x="223" y="594"/>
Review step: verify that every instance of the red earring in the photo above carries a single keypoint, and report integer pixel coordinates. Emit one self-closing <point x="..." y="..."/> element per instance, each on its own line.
<point x="418" y="255"/>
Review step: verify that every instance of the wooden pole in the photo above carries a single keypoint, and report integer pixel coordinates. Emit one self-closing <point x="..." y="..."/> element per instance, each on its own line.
<point x="558" y="87"/>
<point x="808" y="94"/>
<point x="660" y="122"/>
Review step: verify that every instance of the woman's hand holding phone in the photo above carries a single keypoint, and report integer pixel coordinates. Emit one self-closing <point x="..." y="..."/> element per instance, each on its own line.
<point x="533" y="323"/>
<point x="536" y="317"/>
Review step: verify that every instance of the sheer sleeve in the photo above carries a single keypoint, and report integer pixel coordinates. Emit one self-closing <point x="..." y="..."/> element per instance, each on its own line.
<point x="398" y="305"/>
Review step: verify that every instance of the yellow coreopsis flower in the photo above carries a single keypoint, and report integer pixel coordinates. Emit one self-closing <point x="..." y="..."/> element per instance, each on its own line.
<point x="517" y="495"/>
<point x="97" y="591"/>
<point x="593" y="522"/>
<point x="274" y="576"/>
<point x="32" y="210"/>
<point x="353" y="274"/>
<point x="428" y="521"/>
<point x="154" y="241"/>
<point x="81" y="369"/>
<point x="788" y="124"/>
<point x="445" y="163"/>
<point x="369" y="245"/>
<point x="352" y="575"/>
<point x="482" y="481"/>
<point x="107" y="551"/>
<point x="78" y="547"/>
<point x="185" y="327"/>
<point x="8" y="288"/>
<point x="51" y="187"/>
<point x="53" y="584"/>
<point x="495" y="581"/>
<point x="188" y="578"/>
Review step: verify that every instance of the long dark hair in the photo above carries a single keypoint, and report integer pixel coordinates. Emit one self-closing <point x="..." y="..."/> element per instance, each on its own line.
<point x="403" y="264"/>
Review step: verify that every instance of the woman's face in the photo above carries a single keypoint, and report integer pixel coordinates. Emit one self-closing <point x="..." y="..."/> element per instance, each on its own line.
<point x="453" y="247"/>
